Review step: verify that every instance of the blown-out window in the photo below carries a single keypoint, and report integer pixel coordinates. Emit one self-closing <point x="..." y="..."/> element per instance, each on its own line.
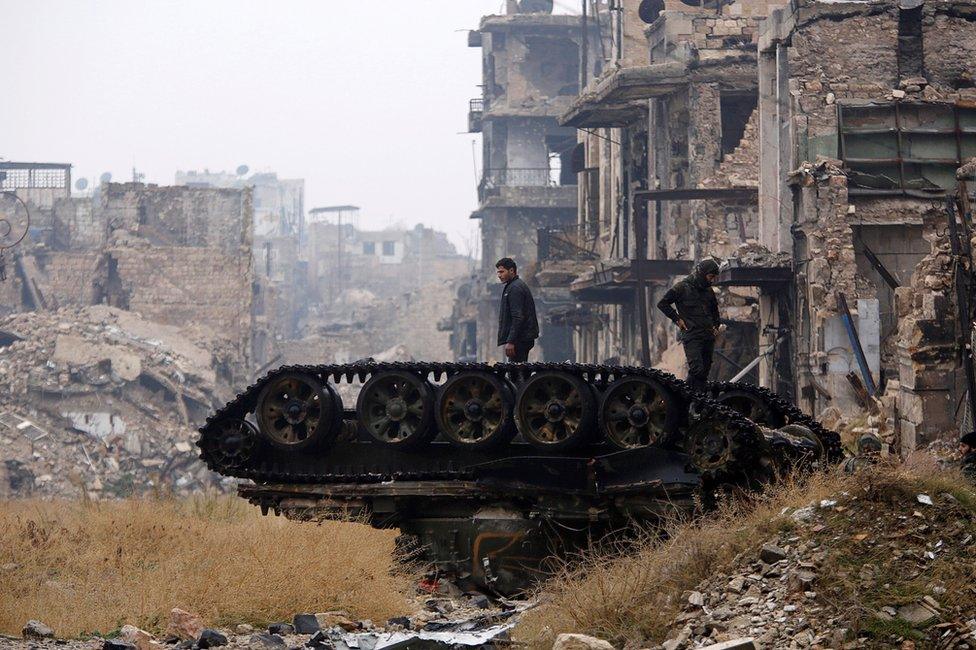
<point x="904" y="147"/>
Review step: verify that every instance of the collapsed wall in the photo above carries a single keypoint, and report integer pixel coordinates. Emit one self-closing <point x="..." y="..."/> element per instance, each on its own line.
<point x="101" y="402"/>
<point x="174" y="254"/>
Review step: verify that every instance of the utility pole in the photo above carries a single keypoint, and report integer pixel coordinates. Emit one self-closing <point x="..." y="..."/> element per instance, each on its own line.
<point x="338" y="210"/>
<point x="584" y="44"/>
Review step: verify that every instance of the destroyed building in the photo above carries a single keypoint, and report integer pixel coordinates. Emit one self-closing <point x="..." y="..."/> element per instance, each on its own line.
<point x="811" y="146"/>
<point x="280" y="264"/>
<point x="129" y="313"/>
<point x="173" y="254"/>
<point x="882" y="96"/>
<point x="532" y="69"/>
<point x="125" y="317"/>
<point x="377" y="290"/>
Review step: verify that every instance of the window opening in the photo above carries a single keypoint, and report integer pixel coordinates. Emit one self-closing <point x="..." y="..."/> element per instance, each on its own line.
<point x="736" y="111"/>
<point x="905" y="147"/>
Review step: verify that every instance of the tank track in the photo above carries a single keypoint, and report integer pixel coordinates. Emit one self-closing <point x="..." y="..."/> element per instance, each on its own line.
<point x="790" y="414"/>
<point x="747" y="436"/>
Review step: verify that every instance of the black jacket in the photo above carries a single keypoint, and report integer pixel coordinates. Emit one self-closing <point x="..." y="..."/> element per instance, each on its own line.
<point x="968" y="465"/>
<point x="516" y="314"/>
<point x="694" y="303"/>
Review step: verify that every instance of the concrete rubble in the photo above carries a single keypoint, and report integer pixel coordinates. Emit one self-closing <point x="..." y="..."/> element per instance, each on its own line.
<point x="466" y="623"/>
<point x="101" y="402"/>
<point x="785" y="593"/>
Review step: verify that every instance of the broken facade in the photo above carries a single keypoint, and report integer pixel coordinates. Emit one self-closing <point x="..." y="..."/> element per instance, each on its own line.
<point x="173" y="254"/>
<point x="533" y="66"/>
<point x="278" y="242"/>
<point x="874" y="93"/>
<point x="669" y="162"/>
<point x="811" y="146"/>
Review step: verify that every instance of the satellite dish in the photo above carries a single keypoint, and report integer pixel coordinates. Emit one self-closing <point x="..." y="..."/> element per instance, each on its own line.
<point x="649" y="10"/>
<point x="105" y="178"/>
<point x="242" y="169"/>
<point x="81" y="184"/>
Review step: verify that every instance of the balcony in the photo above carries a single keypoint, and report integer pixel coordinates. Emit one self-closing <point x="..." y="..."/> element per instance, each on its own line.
<point x="527" y="187"/>
<point x="518" y="177"/>
<point x="476" y="111"/>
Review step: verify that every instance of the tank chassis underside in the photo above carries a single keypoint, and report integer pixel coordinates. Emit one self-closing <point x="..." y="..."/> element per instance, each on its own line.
<point x="491" y="469"/>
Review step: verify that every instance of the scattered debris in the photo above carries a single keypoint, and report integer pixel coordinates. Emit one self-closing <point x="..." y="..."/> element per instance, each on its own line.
<point x="101" y="401"/>
<point x="184" y="625"/>
<point x="305" y="624"/>
<point x="211" y="639"/>
<point x="580" y="642"/>
<point x="37" y="630"/>
<point x="808" y="586"/>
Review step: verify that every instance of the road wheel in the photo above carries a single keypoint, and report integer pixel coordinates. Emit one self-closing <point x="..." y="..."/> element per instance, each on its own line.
<point x="637" y="412"/>
<point x="752" y="406"/>
<point x="474" y="410"/>
<point x="555" y="410"/>
<point x="397" y="408"/>
<point x="296" y="411"/>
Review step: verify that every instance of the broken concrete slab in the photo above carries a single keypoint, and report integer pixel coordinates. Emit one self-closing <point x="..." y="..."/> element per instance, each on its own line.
<point x="745" y="643"/>
<point x="916" y="614"/>
<point x="580" y="642"/>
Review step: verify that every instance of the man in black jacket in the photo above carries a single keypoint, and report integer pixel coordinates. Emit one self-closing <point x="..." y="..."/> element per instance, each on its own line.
<point x="692" y="306"/>
<point x="517" y="325"/>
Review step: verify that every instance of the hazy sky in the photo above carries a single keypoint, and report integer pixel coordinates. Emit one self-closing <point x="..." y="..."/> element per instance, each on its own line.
<point x="367" y="101"/>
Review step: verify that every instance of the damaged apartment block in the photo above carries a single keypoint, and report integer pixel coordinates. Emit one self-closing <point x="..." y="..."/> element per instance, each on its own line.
<point x="812" y="146"/>
<point x="867" y="113"/>
<point x="174" y="254"/>
<point x="669" y="157"/>
<point x="533" y="66"/>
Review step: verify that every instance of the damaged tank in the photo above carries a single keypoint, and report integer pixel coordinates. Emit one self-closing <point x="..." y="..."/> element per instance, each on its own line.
<point x="489" y="469"/>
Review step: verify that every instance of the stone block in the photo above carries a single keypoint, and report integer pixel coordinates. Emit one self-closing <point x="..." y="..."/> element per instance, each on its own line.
<point x="745" y="643"/>
<point x="580" y="642"/>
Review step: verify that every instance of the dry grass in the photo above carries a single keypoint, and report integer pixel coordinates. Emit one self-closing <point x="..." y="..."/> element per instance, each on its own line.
<point x="861" y="578"/>
<point x="631" y="597"/>
<point x="92" y="567"/>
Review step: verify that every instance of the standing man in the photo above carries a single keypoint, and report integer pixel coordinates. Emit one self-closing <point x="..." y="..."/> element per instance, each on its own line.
<point x="692" y="306"/>
<point x="517" y="325"/>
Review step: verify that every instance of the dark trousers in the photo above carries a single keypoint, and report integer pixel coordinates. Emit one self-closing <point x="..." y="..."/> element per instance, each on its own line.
<point x="522" y="351"/>
<point x="698" y="353"/>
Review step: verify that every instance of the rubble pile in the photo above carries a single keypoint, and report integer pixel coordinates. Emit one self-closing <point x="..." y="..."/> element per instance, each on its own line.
<point x="100" y="400"/>
<point x="753" y="253"/>
<point x="881" y="567"/>
<point x="462" y="620"/>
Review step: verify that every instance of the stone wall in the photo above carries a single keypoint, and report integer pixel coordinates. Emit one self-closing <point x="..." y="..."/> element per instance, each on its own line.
<point x="831" y="60"/>
<point x="927" y="388"/>
<point x="70" y="278"/>
<point x="77" y="225"/>
<point x="949" y="46"/>
<point x="179" y="285"/>
<point x="846" y="53"/>
<point x="180" y="215"/>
